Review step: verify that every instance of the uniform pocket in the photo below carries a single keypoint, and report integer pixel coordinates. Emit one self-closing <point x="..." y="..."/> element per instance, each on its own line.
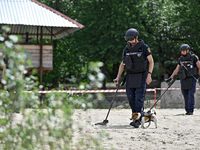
<point x="182" y="74"/>
<point x="128" y="62"/>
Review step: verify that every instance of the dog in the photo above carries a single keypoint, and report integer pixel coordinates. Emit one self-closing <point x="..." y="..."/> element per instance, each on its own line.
<point x="146" y="117"/>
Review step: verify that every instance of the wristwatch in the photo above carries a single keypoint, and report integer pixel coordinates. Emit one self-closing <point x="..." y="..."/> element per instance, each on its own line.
<point x="149" y="72"/>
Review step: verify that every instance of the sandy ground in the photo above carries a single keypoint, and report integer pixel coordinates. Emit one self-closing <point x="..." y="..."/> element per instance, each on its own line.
<point x="175" y="130"/>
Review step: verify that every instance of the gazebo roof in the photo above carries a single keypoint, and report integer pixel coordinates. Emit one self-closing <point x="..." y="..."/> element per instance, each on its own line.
<point x="25" y="16"/>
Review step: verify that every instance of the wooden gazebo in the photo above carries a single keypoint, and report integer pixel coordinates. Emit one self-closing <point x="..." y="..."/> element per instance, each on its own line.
<point x="33" y="20"/>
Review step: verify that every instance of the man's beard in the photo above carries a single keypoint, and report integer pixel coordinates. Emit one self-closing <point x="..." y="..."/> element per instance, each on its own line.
<point x="134" y="42"/>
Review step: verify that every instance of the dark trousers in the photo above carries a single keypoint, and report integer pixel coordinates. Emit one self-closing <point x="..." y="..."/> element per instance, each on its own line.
<point x="136" y="95"/>
<point x="189" y="97"/>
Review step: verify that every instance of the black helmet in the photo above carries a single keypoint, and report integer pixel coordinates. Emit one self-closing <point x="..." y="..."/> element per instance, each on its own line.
<point x="184" y="47"/>
<point x="131" y="34"/>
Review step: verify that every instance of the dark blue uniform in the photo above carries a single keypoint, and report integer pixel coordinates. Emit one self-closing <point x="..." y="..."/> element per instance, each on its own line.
<point x="136" y="95"/>
<point x="189" y="94"/>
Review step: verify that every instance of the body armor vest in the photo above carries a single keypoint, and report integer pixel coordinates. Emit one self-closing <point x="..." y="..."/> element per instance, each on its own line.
<point x="133" y="58"/>
<point x="187" y="67"/>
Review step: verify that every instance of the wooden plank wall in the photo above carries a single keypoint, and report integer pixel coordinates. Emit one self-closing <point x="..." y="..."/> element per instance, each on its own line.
<point x="33" y="52"/>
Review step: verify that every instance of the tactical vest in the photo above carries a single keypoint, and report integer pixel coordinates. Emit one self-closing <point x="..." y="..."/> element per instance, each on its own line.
<point x="187" y="67"/>
<point x="133" y="58"/>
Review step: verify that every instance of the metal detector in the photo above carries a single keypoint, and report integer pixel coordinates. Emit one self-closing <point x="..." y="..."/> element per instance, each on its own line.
<point x="118" y="85"/>
<point x="171" y="82"/>
<point x="169" y="85"/>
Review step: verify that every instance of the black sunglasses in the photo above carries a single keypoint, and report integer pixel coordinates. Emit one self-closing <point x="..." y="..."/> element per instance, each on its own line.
<point x="129" y="38"/>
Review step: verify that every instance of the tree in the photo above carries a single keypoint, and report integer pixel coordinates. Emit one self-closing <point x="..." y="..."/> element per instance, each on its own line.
<point x="163" y="24"/>
<point x="105" y="25"/>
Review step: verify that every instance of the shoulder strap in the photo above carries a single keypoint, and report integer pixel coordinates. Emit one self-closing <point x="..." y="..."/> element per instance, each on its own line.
<point x="192" y="56"/>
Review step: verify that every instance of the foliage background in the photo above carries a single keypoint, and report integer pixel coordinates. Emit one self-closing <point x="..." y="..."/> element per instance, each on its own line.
<point x="163" y="24"/>
<point x="26" y="122"/>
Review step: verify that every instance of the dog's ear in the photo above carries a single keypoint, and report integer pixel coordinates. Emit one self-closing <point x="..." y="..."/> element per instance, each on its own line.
<point x="134" y="115"/>
<point x="154" y="111"/>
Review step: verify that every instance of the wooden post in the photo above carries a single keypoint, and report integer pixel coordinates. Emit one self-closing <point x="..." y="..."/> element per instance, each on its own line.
<point x="41" y="67"/>
<point x="155" y="96"/>
<point x="41" y="50"/>
<point x="51" y="35"/>
<point x="26" y="37"/>
<point x="37" y="34"/>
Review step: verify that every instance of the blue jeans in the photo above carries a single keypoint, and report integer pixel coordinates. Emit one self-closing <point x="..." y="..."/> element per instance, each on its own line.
<point x="136" y="95"/>
<point x="189" y="97"/>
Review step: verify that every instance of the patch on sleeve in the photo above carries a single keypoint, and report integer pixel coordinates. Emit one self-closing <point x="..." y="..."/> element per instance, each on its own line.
<point x="149" y="50"/>
<point x="197" y="57"/>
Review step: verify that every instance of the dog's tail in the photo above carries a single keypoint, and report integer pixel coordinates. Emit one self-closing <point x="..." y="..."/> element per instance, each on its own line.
<point x="154" y="111"/>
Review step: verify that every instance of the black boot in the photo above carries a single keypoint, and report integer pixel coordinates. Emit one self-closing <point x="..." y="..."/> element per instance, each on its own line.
<point x="135" y="123"/>
<point x="189" y="113"/>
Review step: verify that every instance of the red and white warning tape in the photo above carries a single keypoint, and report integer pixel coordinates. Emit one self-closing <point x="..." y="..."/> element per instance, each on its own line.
<point x="172" y="88"/>
<point x="80" y="91"/>
<point x="101" y="91"/>
<point x="85" y="91"/>
<point x="104" y="91"/>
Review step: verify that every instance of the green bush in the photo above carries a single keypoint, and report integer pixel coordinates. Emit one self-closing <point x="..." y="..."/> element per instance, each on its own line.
<point x="24" y="123"/>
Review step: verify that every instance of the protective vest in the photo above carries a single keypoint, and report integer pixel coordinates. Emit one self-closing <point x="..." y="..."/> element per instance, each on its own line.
<point x="133" y="58"/>
<point x="187" y="67"/>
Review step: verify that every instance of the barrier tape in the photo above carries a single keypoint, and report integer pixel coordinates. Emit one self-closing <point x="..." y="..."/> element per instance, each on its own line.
<point x="101" y="91"/>
<point x="105" y="91"/>
<point x="79" y="91"/>
<point x="172" y="88"/>
<point x="85" y="91"/>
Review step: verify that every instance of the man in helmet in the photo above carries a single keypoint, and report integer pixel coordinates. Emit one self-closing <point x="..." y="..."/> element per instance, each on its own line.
<point x="188" y="70"/>
<point x="138" y="62"/>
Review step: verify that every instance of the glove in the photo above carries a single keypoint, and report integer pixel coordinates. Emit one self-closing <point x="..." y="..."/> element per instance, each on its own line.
<point x="168" y="80"/>
<point x="116" y="82"/>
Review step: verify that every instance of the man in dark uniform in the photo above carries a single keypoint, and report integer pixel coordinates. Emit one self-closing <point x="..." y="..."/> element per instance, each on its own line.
<point x="138" y="62"/>
<point x="188" y="70"/>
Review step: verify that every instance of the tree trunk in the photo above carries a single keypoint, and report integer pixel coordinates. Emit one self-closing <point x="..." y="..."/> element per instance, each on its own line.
<point x="115" y="70"/>
<point x="58" y="5"/>
<point x="55" y="81"/>
<point x="104" y="72"/>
